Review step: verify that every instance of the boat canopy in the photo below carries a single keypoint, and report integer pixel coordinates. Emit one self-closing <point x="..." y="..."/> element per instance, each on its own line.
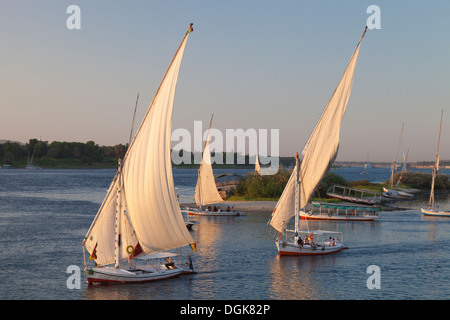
<point x="158" y="255"/>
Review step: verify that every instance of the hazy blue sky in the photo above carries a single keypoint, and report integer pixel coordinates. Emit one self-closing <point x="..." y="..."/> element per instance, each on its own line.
<point x="254" y="64"/>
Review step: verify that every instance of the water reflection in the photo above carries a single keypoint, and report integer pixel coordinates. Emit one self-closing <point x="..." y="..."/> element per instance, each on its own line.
<point x="156" y="290"/>
<point x="299" y="277"/>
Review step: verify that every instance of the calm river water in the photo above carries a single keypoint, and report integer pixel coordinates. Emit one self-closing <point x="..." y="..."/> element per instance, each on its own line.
<point x="44" y="215"/>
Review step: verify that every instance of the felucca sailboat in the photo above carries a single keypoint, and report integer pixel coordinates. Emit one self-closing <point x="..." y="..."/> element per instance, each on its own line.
<point x="432" y="210"/>
<point x="140" y="217"/>
<point x="207" y="197"/>
<point x="391" y="192"/>
<point x="257" y="165"/>
<point x="317" y="157"/>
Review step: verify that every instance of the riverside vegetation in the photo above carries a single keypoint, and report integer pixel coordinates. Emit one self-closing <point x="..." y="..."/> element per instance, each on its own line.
<point x="59" y="154"/>
<point x="270" y="187"/>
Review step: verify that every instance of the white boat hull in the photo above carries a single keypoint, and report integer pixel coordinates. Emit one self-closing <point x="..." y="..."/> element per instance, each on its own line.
<point x="435" y="213"/>
<point x="293" y="249"/>
<point x="112" y="275"/>
<point x="396" y="194"/>
<point x="213" y="213"/>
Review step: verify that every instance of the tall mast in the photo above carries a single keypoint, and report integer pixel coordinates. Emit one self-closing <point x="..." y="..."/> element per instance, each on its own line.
<point x="132" y="122"/>
<point x="391" y="182"/>
<point x="117" y="241"/>
<point x="435" y="168"/>
<point x="297" y="194"/>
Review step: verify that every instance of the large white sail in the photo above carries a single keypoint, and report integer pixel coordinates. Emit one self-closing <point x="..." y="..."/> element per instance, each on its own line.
<point x="206" y="189"/>
<point x="320" y="151"/>
<point x="150" y="213"/>
<point x="99" y="240"/>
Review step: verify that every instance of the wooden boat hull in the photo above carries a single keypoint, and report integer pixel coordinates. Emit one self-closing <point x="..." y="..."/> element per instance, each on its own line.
<point x="291" y="249"/>
<point x="436" y="213"/>
<point x="112" y="275"/>
<point x="351" y="199"/>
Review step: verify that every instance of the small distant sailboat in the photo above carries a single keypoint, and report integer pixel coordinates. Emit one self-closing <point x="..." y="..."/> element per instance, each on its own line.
<point x="432" y="210"/>
<point x="257" y="165"/>
<point x="390" y="192"/>
<point x="366" y="166"/>
<point x="318" y="156"/>
<point x="404" y="168"/>
<point x="30" y="164"/>
<point x="207" y="197"/>
<point x="140" y="217"/>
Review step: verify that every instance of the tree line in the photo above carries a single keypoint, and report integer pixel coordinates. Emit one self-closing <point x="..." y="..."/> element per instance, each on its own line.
<point x="59" y="153"/>
<point x="15" y="154"/>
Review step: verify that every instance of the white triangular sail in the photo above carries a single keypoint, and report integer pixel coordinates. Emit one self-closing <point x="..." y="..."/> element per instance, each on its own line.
<point x="143" y="190"/>
<point x="319" y="152"/>
<point x="206" y="189"/>
<point x="101" y="236"/>
<point x="257" y="165"/>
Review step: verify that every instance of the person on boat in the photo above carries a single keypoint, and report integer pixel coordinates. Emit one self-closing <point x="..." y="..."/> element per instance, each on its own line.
<point x="330" y="241"/>
<point x="300" y="241"/>
<point x="170" y="264"/>
<point x="311" y="238"/>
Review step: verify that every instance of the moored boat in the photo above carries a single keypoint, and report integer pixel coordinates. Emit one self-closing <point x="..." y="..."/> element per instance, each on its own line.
<point x="391" y="192"/>
<point x="341" y="212"/>
<point x="433" y="209"/>
<point x="353" y="195"/>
